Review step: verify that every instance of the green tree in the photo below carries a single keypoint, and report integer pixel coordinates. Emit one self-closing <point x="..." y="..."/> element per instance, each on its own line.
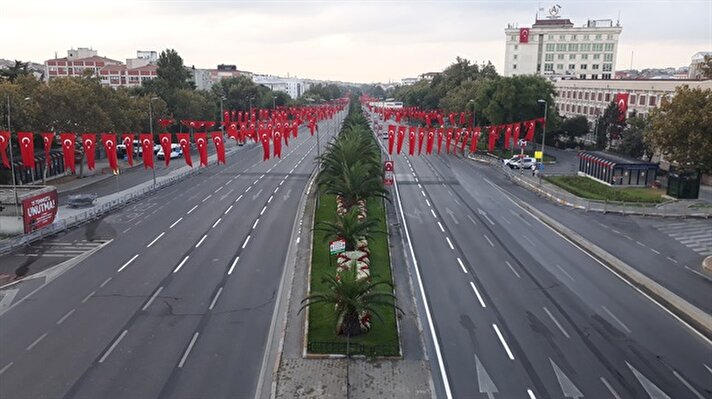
<point x="632" y="141"/>
<point x="239" y="92"/>
<point x="350" y="296"/>
<point x="572" y="128"/>
<point x="681" y="129"/>
<point x="13" y="72"/>
<point x="609" y="126"/>
<point x="172" y="72"/>
<point x="194" y="104"/>
<point x="348" y="227"/>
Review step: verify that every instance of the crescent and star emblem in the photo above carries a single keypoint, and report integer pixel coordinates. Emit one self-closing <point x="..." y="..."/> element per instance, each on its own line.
<point x="183" y="141"/>
<point x="87" y="143"/>
<point x="25" y="141"/>
<point x="109" y="143"/>
<point x="67" y="142"/>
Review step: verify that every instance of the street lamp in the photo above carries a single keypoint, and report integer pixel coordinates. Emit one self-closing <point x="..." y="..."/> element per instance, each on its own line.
<point x="222" y="115"/>
<point x="543" y="135"/>
<point x="150" y="124"/>
<point x="12" y="157"/>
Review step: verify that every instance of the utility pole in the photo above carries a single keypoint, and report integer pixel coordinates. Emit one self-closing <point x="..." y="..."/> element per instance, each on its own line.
<point x="12" y="158"/>
<point x="150" y="124"/>
<point x="543" y="136"/>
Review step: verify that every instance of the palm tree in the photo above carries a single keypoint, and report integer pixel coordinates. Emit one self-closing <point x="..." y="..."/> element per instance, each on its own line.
<point x="13" y="72"/>
<point x="348" y="228"/>
<point x="354" y="183"/>
<point x="351" y="297"/>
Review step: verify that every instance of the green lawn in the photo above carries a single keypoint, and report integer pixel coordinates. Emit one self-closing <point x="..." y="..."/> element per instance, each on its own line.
<point x="383" y="336"/>
<point x="588" y="188"/>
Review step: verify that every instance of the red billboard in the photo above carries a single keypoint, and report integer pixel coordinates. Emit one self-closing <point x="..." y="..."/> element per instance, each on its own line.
<point x="39" y="210"/>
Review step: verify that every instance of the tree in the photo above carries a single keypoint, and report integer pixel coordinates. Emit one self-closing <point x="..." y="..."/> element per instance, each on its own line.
<point x="681" y="129"/>
<point x="13" y="72"/>
<point x="609" y="126"/>
<point x="571" y="128"/>
<point x="347" y="227"/>
<point x="350" y="296"/>
<point x="632" y="141"/>
<point x="172" y="72"/>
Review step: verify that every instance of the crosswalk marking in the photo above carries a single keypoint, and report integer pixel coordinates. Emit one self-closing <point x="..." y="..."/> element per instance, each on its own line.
<point x="58" y="249"/>
<point x="695" y="234"/>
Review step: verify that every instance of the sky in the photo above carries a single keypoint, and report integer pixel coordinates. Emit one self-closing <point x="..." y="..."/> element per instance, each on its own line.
<point x="355" y="41"/>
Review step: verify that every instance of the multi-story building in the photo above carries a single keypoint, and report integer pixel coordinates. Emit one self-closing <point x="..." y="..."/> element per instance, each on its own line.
<point x="695" y="71"/>
<point x="292" y="86"/>
<point x="205" y="78"/>
<point x="121" y="75"/>
<point x="76" y="63"/>
<point x="554" y="47"/>
<point x="110" y="72"/>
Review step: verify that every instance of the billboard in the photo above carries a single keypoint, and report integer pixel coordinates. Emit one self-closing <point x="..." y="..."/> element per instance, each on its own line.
<point x="39" y="210"/>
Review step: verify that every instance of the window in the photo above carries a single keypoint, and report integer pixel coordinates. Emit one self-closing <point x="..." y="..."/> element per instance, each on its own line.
<point x="550" y="47"/>
<point x="606" y="76"/>
<point x="573" y="46"/>
<point x="608" y="95"/>
<point x="568" y="107"/>
<point x="549" y="57"/>
<point x="599" y="37"/>
<point x="585" y="96"/>
<point x="608" y="57"/>
<point x="559" y="66"/>
<point x="559" y="56"/>
<point x="548" y="67"/>
<point x="584" y="56"/>
<point x="607" y="67"/>
<point x="516" y="47"/>
<point x="562" y="37"/>
<point x="610" y="37"/>
<point x="572" y="66"/>
<point x="584" y="66"/>
<point x="597" y="56"/>
<point x="582" y="76"/>
<point x="608" y="47"/>
<point x="595" y="66"/>
<point x="597" y="47"/>
<point x="585" y="37"/>
<point x="585" y="109"/>
<point x="573" y="37"/>
<point x="631" y="99"/>
<point x="600" y="95"/>
<point x="572" y="56"/>
<point x="590" y="111"/>
<point x="594" y="77"/>
<point x="515" y="56"/>
<point x="585" y="47"/>
<point x="550" y="37"/>
<point x="641" y="99"/>
<point x="561" y="47"/>
<point x="514" y="66"/>
<point x="653" y="101"/>
<point x="578" y="108"/>
<point x="580" y="95"/>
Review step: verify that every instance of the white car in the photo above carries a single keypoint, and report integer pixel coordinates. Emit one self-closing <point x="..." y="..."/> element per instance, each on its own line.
<point x="523" y="163"/>
<point x="176" y="151"/>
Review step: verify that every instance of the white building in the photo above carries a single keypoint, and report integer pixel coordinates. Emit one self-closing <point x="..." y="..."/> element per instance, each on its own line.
<point x="409" y="81"/>
<point x="110" y="72"/>
<point x="205" y="78"/>
<point x="292" y="86"/>
<point x="695" y="72"/>
<point x="555" y="47"/>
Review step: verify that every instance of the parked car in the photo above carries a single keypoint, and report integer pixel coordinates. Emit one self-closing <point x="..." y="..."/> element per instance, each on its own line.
<point x="176" y="151"/>
<point x="510" y="161"/>
<point x="523" y="163"/>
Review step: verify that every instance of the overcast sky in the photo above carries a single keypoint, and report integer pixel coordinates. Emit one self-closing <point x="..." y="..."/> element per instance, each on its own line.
<point x="357" y="41"/>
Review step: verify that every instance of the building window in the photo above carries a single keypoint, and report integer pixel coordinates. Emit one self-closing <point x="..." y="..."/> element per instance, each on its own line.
<point x="549" y="57"/>
<point x="584" y="66"/>
<point x="568" y="107"/>
<point x="594" y="77"/>
<point x="641" y="99"/>
<point x="585" y="47"/>
<point x="560" y="56"/>
<point x="584" y="56"/>
<point x="582" y="76"/>
<point x="606" y="76"/>
<point x="550" y="37"/>
<point x="515" y="56"/>
<point x="585" y="37"/>
<point x="561" y="47"/>
<point x="608" y="57"/>
<point x="597" y="56"/>
<point x="608" y="95"/>
<point x="608" y="47"/>
<point x="578" y="109"/>
<point x="599" y="37"/>
<point x="514" y="66"/>
<point x="590" y="111"/>
<point x="559" y="66"/>
<point x="550" y="47"/>
<point x="610" y="37"/>
<point x="597" y="47"/>
<point x="562" y="37"/>
<point x="580" y="95"/>
<point x="600" y="95"/>
<point x="585" y="109"/>
<point x="573" y="46"/>
<point x="572" y="66"/>
<point x="516" y="47"/>
<point x="607" y="67"/>
<point x="573" y="37"/>
<point x="572" y="56"/>
<point x="631" y="99"/>
<point x="594" y="66"/>
<point x="585" y="96"/>
<point x="653" y="101"/>
<point x="548" y="67"/>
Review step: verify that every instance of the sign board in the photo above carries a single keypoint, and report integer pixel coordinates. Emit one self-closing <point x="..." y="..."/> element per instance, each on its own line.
<point x="39" y="210"/>
<point x="337" y="247"/>
<point x="388" y="178"/>
<point x="538" y="154"/>
<point x="388" y="166"/>
<point x="522" y="143"/>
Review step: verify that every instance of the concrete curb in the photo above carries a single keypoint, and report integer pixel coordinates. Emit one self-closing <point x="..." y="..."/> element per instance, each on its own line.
<point x="691" y="314"/>
<point x="707" y="265"/>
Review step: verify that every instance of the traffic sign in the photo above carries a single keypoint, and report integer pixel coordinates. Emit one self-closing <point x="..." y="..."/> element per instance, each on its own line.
<point x="388" y="178"/>
<point x="388" y="166"/>
<point x="337" y="247"/>
<point x="538" y="154"/>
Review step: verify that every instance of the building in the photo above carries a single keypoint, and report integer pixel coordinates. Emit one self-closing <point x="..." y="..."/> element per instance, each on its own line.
<point x="554" y="47"/>
<point x="121" y="75"/>
<point x="205" y="78"/>
<point x="409" y="81"/>
<point x="110" y="72"/>
<point x="292" y="86"/>
<point x="429" y="75"/>
<point x="612" y="169"/>
<point x="76" y="63"/>
<point x="695" y="72"/>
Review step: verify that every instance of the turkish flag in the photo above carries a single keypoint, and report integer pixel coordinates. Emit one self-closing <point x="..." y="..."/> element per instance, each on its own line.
<point x="411" y="140"/>
<point x="277" y="143"/>
<point x="165" y="140"/>
<point x="523" y="35"/>
<point x="448" y="139"/>
<point x="201" y="140"/>
<point x="232" y="131"/>
<point x="109" y="142"/>
<point x="219" y="146"/>
<point x="458" y="135"/>
<point x="622" y="103"/>
<point x="226" y="117"/>
<point x="295" y="128"/>
<point x="421" y="138"/>
<point x="264" y="138"/>
<point x="47" y="139"/>
<point x="401" y="136"/>
<point x="463" y="143"/>
<point x="507" y="136"/>
<point x="146" y="140"/>
<point x="68" y="150"/>
<point x="451" y="117"/>
<point x="429" y="143"/>
<point x="475" y="139"/>
<point x="4" y="141"/>
<point x="391" y="138"/>
<point x="493" y="136"/>
<point x="462" y="118"/>
<point x="127" y="140"/>
<point x="531" y="127"/>
<point x="441" y="133"/>
<point x="184" y="141"/>
<point x="27" y="148"/>
<point x="517" y="130"/>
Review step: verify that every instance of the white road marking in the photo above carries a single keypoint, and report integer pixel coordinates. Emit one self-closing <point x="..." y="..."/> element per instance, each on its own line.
<point x="201" y="240"/>
<point x="512" y="269"/>
<point x="506" y="220"/>
<point x="422" y="192"/>
<point x="239" y="198"/>
<point x="234" y="263"/>
<point x="86" y="298"/>
<point x="7" y="366"/>
<point x="551" y="316"/>
<point x="105" y="282"/>
<point x="175" y="223"/>
<point x="35" y="342"/>
<point x="488" y="240"/>
<point x="191" y="210"/>
<point x="66" y="315"/>
<point x="529" y="240"/>
<point x="255" y="224"/>
<point x="217" y="295"/>
<point x="263" y="210"/>
<point x="187" y="351"/>
<point x="462" y="265"/>
<point x="687" y="384"/>
<point x="219" y="188"/>
<point x="671" y="259"/>
<point x="653" y="391"/>
<point x="471" y="219"/>
<point x="610" y="389"/>
<point x="428" y="202"/>
<point x="698" y="273"/>
<point x="641" y="244"/>
<point x="216" y="223"/>
<point x="270" y="199"/>
<point x="181" y="264"/>
<point x="127" y="263"/>
<point x="605" y="309"/>
<point x="246" y="241"/>
<point x="275" y="190"/>
<point x="504" y="343"/>
<point x="248" y="189"/>
<point x="228" y="210"/>
<point x="531" y="394"/>
<point x="449" y="243"/>
<point x="565" y="272"/>
<point x="479" y="298"/>
<point x="207" y="198"/>
<point x="655" y="251"/>
<point x="150" y="300"/>
<point x="433" y="212"/>
<point x="441" y="227"/>
<point x="419" y="186"/>
<point x="155" y="239"/>
<point x="113" y="346"/>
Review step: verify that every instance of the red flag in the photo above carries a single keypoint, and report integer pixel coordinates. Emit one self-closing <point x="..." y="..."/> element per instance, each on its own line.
<point x="47" y="139"/>
<point x="391" y="138"/>
<point x="146" y="140"/>
<point x="462" y="118"/>
<point x="184" y="141"/>
<point x="431" y="138"/>
<point x="201" y="140"/>
<point x="277" y="143"/>
<point x="264" y="138"/>
<point x="165" y="123"/>
<point x="448" y="139"/>
<point x="458" y="135"/>
<point x="4" y="141"/>
<point x="421" y="138"/>
<point x="401" y="136"/>
<point x="109" y="142"/>
<point x="463" y="143"/>
<point x="507" y="136"/>
<point x="523" y="35"/>
<point x="68" y="150"/>
<point x="493" y="135"/>
<point x="219" y="146"/>
<point x="517" y="131"/>
<point x="27" y="148"/>
<point x="411" y="142"/>
<point x="226" y="117"/>
<point x="165" y="140"/>
<point x="127" y="139"/>
<point x="441" y="133"/>
<point x="530" y="126"/>
<point x="475" y="139"/>
<point x="622" y="102"/>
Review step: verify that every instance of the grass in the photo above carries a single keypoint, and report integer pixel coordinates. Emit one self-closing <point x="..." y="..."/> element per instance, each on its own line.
<point x="321" y="317"/>
<point x="588" y="188"/>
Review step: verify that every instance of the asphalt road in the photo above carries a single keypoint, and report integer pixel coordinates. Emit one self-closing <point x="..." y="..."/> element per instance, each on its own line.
<point x="518" y="311"/>
<point x="179" y="303"/>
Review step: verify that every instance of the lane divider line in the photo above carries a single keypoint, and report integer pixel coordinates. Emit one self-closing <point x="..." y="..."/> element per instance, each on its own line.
<point x="255" y="224"/>
<point x="111" y="348"/>
<point x="191" y="210"/>
<point x="216" y="223"/>
<point x="504" y="343"/>
<point x="127" y="263"/>
<point x="201" y="240"/>
<point x="35" y="342"/>
<point x="150" y="300"/>
<point x="449" y="243"/>
<point x="228" y="210"/>
<point x="181" y="264"/>
<point x="86" y="298"/>
<point x="246" y="241"/>
<point x="175" y="223"/>
<point x="188" y="349"/>
<point x="561" y="328"/>
<point x="215" y="299"/>
<point x="155" y="239"/>
<point x="207" y="198"/>
<point x="462" y="265"/>
<point x="234" y="263"/>
<point x="479" y="297"/>
<point x="66" y="316"/>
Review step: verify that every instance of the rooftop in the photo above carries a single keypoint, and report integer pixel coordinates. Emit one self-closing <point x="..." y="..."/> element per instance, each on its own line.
<point x="616" y="158"/>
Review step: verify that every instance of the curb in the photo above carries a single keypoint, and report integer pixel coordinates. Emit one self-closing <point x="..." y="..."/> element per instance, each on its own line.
<point x="694" y="316"/>
<point x="707" y="265"/>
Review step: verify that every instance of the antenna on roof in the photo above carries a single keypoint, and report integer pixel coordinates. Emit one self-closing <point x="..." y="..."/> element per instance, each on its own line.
<point x="618" y="21"/>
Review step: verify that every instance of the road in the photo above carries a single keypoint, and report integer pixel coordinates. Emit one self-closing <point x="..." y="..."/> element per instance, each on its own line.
<point x="513" y="309"/>
<point x="179" y="303"/>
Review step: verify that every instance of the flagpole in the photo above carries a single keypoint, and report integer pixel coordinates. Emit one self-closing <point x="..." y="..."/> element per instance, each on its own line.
<point x="12" y="158"/>
<point x="150" y="124"/>
<point x="543" y="136"/>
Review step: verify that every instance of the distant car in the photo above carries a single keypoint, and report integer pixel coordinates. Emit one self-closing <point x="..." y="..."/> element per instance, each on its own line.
<point x="523" y="163"/>
<point x="510" y="161"/>
<point x="176" y="151"/>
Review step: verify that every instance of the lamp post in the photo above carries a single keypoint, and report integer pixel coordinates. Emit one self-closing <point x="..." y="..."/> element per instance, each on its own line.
<point x="12" y="157"/>
<point x="150" y="124"/>
<point x="543" y="135"/>
<point x="222" y="115"/>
